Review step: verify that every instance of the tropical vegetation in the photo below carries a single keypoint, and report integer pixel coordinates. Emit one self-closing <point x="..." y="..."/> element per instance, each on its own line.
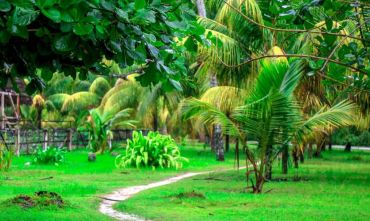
<point x="153" y="150"/>
<point x="148" y="89"/>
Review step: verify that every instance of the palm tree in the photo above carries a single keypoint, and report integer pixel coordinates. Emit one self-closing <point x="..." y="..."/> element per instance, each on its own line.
<point x="270" y="114"/>
<point x="156" y="105"/>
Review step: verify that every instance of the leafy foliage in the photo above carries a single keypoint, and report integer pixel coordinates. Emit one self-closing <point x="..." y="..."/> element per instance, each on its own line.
<point x="52" y="155"/>
<point x="75" y="36"/>
<point x="270" y="114"/>
<point x="153" y="150"/>
<point x="99" y="125"/>
<point x="6" y="157"/>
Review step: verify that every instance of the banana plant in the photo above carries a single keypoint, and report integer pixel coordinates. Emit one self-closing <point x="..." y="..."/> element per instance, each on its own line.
<point x="100" y="124"/>
<point x="153" y="150"/>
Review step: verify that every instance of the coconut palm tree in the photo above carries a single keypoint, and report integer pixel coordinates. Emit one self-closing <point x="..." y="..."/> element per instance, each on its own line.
<point x="271" y="115"/>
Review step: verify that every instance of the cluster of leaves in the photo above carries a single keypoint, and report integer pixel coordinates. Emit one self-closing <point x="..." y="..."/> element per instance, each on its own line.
<point x="74" y="36"/>
<point x="351" y="134"/>
<point x="6" y="157"/>
<point x="100" y="123"/>
<point x="52" y="155"/>
<point x="327" y="16"/>
<point x="154" y="150"/>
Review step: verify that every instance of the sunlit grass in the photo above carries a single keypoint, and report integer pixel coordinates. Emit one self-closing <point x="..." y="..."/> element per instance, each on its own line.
<point x="335" y="187"/>
<point x="80" y="182"/>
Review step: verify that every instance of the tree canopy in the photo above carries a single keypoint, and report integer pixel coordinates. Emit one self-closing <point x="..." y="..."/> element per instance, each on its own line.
<point x="40" y="37"/>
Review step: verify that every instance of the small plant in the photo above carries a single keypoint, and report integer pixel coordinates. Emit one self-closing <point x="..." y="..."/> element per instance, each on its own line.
<point x="154" y="150"/>
<point x="52" y="155"/>
<point x="6" y="157"/>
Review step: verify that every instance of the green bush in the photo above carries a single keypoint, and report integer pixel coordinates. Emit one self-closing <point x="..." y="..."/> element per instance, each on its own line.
<point x="6" y="157"/>
<point x="351" y="134"/>
<point x="52" y="155"/>
<point x="153" y="150"/>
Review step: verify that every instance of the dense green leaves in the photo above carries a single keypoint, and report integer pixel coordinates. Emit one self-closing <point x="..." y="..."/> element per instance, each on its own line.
<point x="23" y="16"/>
<point x="51" y="155"/>
<point x="68" y="36"/>
<point x="153" y="150"/>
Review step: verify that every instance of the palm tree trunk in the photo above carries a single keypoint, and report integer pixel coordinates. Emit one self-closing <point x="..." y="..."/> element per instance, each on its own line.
<point x="237" y="153"/>
<point x="268" y="172"/>
<point x="310" y="150"/>
<point x="227" y="143"/>
<point x="330" y="144"/>
<point x="301" y="154"/>
<point x="201" y="8"/>
<point x="216" y="140"/>
<point x="285" y="153"/>
<point x="155" y="119"/>
<point x="348" y="147"/>
<point x="285" y="157"/>
<point x="39" y="118"/>
<point x="219" y="146"/>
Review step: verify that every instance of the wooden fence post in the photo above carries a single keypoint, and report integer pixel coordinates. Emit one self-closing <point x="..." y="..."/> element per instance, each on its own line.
<point x="70" y="137"/>
<point x="45" y="143"/>
<point x="17" y="139"/>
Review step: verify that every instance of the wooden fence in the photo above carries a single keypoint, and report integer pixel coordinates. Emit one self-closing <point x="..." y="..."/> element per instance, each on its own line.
<point x="25" y="140"/>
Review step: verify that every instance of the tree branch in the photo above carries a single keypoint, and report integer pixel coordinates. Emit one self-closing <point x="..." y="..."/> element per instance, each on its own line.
<point x="290" y="56"/>
<point x="335" y="49"/>
<point x="290" y="30"/>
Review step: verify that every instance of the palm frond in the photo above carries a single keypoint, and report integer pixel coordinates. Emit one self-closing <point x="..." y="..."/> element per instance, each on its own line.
<point x="100" y="86"/>
<point x="207" y="114"/>
<point x="80" y="101"/>
<point x="224" y="98"/>
<point x="341" y="114"/>
<point x="58" y="100"/>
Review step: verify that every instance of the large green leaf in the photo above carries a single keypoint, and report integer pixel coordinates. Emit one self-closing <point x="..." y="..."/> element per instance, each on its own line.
<point x="5" y="6"/>
<point x="83" y="29"/>
<point x="52" y="13"/>
<point x="139" y="4"/>
<point x="23" y="16"/>
<point x="65" y="43"/>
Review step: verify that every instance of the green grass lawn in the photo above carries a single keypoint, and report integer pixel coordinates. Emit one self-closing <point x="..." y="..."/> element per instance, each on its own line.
<point x="80" y="182"/>
<point x="335" y="187"/>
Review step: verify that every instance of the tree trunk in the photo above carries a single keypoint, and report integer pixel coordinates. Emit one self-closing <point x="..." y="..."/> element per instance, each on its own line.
<point x="319" y="147"/>
<point x="237" y="153"/>
<point x="216" y="140"/>
<point x="164" y="129"/>
<point x="310" y="150"/>
<point x="301" y="155"/>
<point x="295" y="157"/>
<point x="39" y="118"/>
<point x="219" y="146"/>
<point x="155" y="120"/>
<point x="323" y="145"/>
<point x="227" y="143"/>
<point x="268" y="171"/>
<point x="330" y="144"/>
<point x="348" y="147"/>
<point x="201" y="8"/>
<point x="284" y="159"/>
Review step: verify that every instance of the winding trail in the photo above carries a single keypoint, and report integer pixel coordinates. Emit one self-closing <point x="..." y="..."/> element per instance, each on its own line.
<point x="106" y="206"/>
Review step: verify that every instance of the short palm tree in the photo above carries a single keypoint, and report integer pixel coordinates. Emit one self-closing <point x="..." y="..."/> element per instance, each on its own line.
<point x="271" y="115"/>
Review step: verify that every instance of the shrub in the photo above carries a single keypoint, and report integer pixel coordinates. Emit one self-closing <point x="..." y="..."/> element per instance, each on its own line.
<point x="6" y="157"/>
<point x="52" y="155"/>
<point x="155" y="150"/>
